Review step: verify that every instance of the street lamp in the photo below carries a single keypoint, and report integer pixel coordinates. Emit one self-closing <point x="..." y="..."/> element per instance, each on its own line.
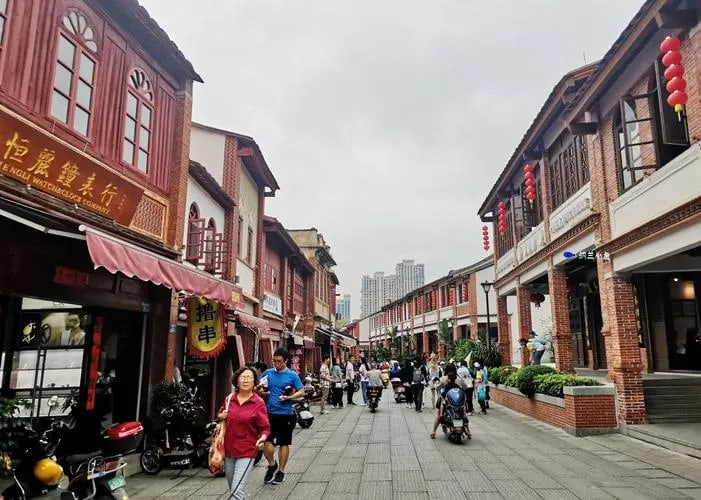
<point x="486" y="286"/>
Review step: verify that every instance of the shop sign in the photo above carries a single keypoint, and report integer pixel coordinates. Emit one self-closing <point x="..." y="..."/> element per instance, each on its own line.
<point x="71" y="277"/>
<point x="272" y="304"/>
<point x="94" y="362"/>
<point x="638" y="321"/>
<point x="36" y="159"/>
<point x="205" y="327"/>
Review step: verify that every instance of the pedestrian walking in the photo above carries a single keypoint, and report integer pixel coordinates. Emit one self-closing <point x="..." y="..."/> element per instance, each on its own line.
<point x="350" y="381"/>
<point x="434" y="376"/>
<point x="246" y="429"/>
<point x="465" y="375"/>
<point x="363" y="371"/>
<point x="283" y="386"/>
<point x="325" y="383"/>
<point x="418" y="382"/>
<point x="406" y="375"/>
<point x="537" y="347"/>
<point x="337" y="383"/>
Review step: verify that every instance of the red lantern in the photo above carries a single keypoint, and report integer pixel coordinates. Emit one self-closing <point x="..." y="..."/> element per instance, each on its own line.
<point x="502" y="217"/>
<point x="676" y="84"/>
<point x="675" y="70"/>
<point x="528" y="172"/>
<point x="671" y="43"/>
<point x="674" y="74"/>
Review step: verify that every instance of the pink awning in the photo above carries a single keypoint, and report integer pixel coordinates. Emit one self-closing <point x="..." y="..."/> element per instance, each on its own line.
<point x="117" y="255"/>
<point x="258" y="324"/>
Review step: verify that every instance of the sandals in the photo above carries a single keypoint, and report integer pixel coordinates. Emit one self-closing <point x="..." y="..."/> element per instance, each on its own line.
<point x="433" y="435"/>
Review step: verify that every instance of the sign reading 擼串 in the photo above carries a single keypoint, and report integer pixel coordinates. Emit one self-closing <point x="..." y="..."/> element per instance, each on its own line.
<point x="205" y="328"/>
<point x="36" y="159"/>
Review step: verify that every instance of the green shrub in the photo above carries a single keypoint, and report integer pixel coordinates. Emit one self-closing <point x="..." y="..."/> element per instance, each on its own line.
<point x="167" y="393"/>
<point x="523" y="379"/>
<point x="500" y="374"/>
<point x="552" y="384"/>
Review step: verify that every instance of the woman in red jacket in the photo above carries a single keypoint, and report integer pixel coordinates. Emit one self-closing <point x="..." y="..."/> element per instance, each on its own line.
<point x="246" y="429"/>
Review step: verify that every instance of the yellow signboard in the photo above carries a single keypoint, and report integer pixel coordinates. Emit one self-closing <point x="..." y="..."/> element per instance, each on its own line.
<point x="205" y="325"/>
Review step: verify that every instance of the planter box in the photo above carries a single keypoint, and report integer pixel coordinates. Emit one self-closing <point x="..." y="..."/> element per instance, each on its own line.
<point x="585" y="410"/>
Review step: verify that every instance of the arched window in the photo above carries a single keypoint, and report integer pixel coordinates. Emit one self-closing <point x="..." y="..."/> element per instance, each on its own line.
<point x="195" y="235"/>
<point x="74" y="75"/>
<point x="138" y="121"/>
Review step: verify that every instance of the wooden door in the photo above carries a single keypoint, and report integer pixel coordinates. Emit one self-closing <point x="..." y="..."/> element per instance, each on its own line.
<point x="579" y="351"/>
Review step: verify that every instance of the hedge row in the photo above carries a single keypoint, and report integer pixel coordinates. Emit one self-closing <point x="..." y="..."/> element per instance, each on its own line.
<point x="541" y="379"/>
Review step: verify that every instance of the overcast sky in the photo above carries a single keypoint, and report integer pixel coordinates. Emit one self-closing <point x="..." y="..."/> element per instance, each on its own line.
<point x="385" y="122"/>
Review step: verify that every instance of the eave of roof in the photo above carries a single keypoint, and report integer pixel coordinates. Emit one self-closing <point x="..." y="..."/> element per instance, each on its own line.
<point x="204" y="178"/>
<point x="547" y="112"/>
<point x="610" y="62"/>
<point x="272" y="225"/>
<point x="266" y="175"/>
<point x="135" y="19"/>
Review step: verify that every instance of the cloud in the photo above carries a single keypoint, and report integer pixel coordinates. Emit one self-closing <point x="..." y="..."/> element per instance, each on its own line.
<point x="385" y="123"/>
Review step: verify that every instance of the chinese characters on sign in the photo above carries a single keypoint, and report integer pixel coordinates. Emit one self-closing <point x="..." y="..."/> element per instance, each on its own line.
<point x="94" y="362"/>
<point x="40" y="161"/>
<point x="205" y="328"/>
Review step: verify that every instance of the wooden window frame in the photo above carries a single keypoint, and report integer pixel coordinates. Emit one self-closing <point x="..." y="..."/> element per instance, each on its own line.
<point x="139" y="88"/>
<point x="249" y="245"/>
<point x="79" y="50"/>
<point x="195" y="240"/>
<point x="625" y="142"/>
<point x="568" y="164"/>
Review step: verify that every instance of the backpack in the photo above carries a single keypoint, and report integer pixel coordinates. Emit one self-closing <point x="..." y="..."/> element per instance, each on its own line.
<point x="418" y="377"/>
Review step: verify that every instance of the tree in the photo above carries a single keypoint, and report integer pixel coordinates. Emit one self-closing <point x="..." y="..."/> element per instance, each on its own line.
<point x="445" y="335"/>
<point x="395" y="341"/>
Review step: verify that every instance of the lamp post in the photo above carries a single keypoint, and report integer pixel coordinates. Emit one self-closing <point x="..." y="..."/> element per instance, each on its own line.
<point x="486" y="285"/>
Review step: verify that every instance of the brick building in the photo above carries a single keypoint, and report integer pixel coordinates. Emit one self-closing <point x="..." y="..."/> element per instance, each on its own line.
<point x="456" y="297"/>
<point x="613" y="236"/>
<point x="239" y="172"/>
<point x="95" y="108"/>
<point x="287" y="285"/>
<point x="319" y="324"/>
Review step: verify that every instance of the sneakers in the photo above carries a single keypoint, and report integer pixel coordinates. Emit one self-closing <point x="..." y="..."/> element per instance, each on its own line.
<point x="270" y="474"/>
<point x="325" y="412"/>
<point x="279" y="477"/>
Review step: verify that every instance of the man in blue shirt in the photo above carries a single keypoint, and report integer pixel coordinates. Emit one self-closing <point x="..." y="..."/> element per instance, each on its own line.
<point x="280" y="413"/>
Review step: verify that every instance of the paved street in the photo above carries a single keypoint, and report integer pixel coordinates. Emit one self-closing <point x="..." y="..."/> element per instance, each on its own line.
<point x="353" y="454"/>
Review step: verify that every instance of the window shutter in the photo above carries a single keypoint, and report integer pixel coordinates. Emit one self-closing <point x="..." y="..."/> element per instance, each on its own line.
<point x="219" y="253"/>
<point x="674" y="132"/>
<point x="208" y="250"/>
<point x="195" y="240"/>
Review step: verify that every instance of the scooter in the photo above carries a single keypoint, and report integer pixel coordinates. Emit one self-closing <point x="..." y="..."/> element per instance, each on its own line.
<point x="384" y="376"/>
<point x="455" y="422"/>
<point x="305" y="418"/>
<point x="177" y="441"/>
<point x="399" y="390"/>
<point x="374" y="396"/>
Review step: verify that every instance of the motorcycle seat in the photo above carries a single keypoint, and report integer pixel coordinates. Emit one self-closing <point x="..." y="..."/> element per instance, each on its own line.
<point x="83" y="457"/>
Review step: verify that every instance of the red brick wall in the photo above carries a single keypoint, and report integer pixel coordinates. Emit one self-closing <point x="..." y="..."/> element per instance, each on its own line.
<point x="231" y="182"/>
<point x="504" y="331"/>
<point x="523" y="300"/>
<point x="579" y="416"/>
<point x="562" y="336"/>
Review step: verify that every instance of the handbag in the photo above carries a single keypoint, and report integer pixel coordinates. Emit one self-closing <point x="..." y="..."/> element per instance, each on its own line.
<point x="216" y="450"/>
<point x="481" y="394"/>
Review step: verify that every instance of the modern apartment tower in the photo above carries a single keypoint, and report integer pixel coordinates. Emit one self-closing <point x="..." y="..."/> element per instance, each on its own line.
<point x="343" y="308"/>
<point x="381" y="289"/>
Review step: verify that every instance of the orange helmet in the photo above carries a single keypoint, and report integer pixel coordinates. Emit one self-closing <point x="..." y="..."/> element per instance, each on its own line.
<point x="48" y="472"/>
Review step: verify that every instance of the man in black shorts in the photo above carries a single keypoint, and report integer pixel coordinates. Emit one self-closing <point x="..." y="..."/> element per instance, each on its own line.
<point x="280" y="413"/>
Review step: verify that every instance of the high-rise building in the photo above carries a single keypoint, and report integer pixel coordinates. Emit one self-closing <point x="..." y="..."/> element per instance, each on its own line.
<point x="378" y="290"/>
<point x="343" y="308"/>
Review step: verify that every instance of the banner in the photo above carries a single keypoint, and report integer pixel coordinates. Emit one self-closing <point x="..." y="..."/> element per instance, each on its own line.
<point x="205" y="328"/>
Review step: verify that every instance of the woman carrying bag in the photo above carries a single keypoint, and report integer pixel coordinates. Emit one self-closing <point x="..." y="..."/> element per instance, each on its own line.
<point x="244" y="422"/>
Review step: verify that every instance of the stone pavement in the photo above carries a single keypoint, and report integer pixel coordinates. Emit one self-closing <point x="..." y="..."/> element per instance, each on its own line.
<point x="353" y="454"/>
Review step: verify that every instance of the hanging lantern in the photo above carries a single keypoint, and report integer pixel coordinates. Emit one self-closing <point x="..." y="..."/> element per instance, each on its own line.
<point x="537" y="299"/>
<point x="501" y="223"/>
<point x="674" y="74"/>
<point x="529" y="175"/>
<point x="485" y="238"/>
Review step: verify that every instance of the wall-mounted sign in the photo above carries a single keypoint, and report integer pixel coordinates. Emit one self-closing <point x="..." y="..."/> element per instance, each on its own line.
<point x="94" y="363"/>
<point x="37" y="159"/>
<point x="71" y="277"/>
<point x="590" y="255"/>
<point x="205" y="328"/>
<point x="272" y="304"/>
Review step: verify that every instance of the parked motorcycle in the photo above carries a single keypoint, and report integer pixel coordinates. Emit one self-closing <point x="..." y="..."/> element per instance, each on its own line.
<point x="34" y="473"/>
<point x="455" y="422"/>
<point x="301" y="407"/>
<point x="399" y="390"/>
<point x="374" y="396"/>
<point x="177" y="438"/>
